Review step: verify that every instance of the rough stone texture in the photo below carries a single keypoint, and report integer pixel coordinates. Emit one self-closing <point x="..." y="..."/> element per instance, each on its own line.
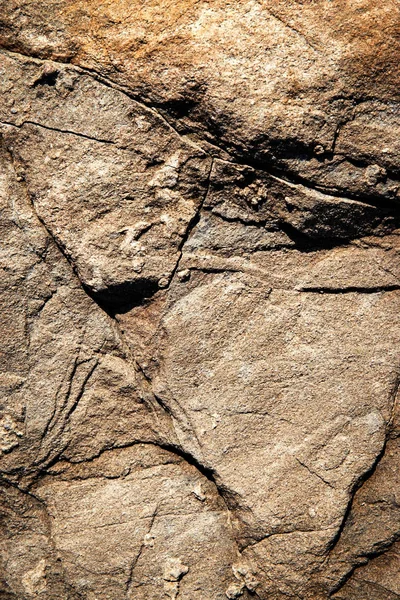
<point x="200" y="322"/>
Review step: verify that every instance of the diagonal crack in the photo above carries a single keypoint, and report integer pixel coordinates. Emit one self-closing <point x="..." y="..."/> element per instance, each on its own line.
<point x="58" y="130"/>
<point x="79" y="395"/>
<point x="192" y="224"/>
<point x="139" y="554"/>
<point x="293" y="29"/>
<point x="314" y="473"/>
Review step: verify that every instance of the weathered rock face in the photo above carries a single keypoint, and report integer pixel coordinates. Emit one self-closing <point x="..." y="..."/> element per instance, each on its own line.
<point x="200" y="322"/>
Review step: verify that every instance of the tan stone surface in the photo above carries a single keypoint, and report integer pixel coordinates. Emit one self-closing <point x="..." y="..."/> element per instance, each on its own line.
<point x="200" y="300"/>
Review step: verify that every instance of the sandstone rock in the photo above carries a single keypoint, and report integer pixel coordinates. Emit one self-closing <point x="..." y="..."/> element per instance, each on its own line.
<point x="200" y="300"/>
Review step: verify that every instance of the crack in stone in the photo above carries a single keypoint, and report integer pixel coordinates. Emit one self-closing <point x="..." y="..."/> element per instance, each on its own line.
<point x="25" y="491"/>
<point x="350" y="289"/>
<point x="139" y="554"/>
<point x="85" y="381"/>
<point x="57" y="130"/>
<point x="294" y="30"/>
<point x="192" y="224"/>
<point x="314" y="473"/>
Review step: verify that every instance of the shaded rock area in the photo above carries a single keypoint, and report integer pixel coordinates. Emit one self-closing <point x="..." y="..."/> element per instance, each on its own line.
<point x="200" y="300"/>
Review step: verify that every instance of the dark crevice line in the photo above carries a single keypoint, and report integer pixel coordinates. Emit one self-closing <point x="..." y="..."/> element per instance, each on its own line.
<point x="290" y="177"/>
<point x="227" y="496"/>
<point x="350" y="289"/>
<point x="314" y="473"/>
<point x="27" y="492"/>
<point x="294" y="30"/>
<point x="139" y="554"/>
<point x="192" y="224"/>
<point x="59" y="245"/>
<point x="336" y="136"/>
<point x="215" y="270"/>
<point x="57" y="130"/>
<point x="82" y="390"/>
<point x="57" y="409"/>
<point x="307" y="244"/>
<point x="300" y="241"/>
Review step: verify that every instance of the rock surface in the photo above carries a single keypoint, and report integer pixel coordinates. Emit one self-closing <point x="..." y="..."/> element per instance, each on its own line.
<point x="200" y="322"/>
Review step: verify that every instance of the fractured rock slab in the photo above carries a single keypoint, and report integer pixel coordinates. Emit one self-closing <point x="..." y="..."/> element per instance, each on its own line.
<point x="200" y="293"/>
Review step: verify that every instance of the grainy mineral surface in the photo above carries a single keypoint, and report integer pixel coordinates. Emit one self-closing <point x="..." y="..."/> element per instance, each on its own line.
<point x="200" y="299"/>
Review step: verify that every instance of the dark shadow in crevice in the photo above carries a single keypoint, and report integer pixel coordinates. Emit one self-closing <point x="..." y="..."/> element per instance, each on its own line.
<point x="123" y="297"/>
<point x="230" y="498"/>
<point x="306" y="243"/>
<point x="179" y="108"/>
<point x="49" y="78"/>
<point x="184" y="104"/>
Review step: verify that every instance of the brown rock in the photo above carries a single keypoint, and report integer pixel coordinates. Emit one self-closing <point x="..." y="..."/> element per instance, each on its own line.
<point x="200" y="300"/>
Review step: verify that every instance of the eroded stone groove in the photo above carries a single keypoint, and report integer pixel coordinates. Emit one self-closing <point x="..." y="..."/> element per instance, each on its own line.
<point x="200" y="300"/>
